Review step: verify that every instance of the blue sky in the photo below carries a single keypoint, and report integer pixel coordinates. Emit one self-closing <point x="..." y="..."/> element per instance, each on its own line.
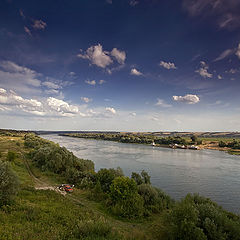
<point x="130" y="65"/>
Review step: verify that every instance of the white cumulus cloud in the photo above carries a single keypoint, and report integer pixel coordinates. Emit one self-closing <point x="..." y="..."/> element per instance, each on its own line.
<point x="97" y="56"/>
<point x="134" y="71"/>
<point x="188" y="98"/>
<point x="91" y="82"/>
<point x="119" y="55"/>
<point x="167" y="65"/>
<point x="61" y="106"/>
<point x="110" y="110"/>
<point x="203" y="70"/>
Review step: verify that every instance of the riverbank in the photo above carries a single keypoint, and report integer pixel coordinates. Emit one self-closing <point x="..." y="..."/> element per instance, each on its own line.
<point x="170" y="142"/>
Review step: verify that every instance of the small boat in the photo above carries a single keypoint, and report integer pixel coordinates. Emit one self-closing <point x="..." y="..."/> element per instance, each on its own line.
<point x="153" y="144"/>
<point x="193" y="147"/>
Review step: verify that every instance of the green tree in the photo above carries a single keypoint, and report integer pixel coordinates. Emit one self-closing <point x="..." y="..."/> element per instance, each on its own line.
<point x="146" y="177"/>
<point x="8" y="183"/>
<point x="11" y="156"/>
<point x="137" y="178"/>
<point x="126" y="201"/>
<point x="106" y="177"/>
<point x="194" y="138"/>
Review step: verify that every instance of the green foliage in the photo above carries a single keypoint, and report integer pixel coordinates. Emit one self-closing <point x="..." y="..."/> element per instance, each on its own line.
<point x="126" y="201"/>
<point x="146" y="177"/>
<point x="0" y="154"/>
<point x="137" y="178"/>
<point x="154" y="199"/>
<point x="94" y="230"/>
<point x="140" y="179"/>
<point x="197" y="217"/>
<point x="222" y="144"/>
<point x="233" y="144"/>
<point x="131" y="138"/>
<point x="8" y="183"/>
<point x="106" y="176"/>
<point x="51" y="157"/>
<point x="194" y="138"/>
<point x="11" y="156"/>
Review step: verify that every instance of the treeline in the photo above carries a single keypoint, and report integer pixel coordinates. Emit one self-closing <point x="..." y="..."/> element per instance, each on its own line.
<point x="49" y="156"/>
<point x="233" y="145"/>
<point x="194" y="217"/>
<point x="137" y="138"/>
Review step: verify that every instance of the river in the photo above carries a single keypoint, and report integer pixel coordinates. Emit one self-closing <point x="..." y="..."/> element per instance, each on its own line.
<point x="210" y="173"/>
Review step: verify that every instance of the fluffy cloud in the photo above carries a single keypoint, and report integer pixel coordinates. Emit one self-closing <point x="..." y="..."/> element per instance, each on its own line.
<point x="189" y="99"/>
<point x="203" y="70"/>
<point x="14" y="101"/>
<point x="134" y="71"/>
<point x="86" y="99"/>
<point x="93" y="82"/>
<point x="110" y="110"/>
<point x="167" y="65"/>
<point x="18" y="78"/>
<point x="62" y="107"/>
<point x="39" y="24"/>
<point x="97" y="56"/>
<point x="119" y="55"/>
<point x="161" y="103"/>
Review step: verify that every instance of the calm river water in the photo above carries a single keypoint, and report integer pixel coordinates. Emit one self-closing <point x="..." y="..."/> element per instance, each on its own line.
<point x="211" y="173"/>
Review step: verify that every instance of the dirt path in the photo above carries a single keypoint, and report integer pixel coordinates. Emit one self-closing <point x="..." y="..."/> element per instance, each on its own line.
<point x="40" y="185"/>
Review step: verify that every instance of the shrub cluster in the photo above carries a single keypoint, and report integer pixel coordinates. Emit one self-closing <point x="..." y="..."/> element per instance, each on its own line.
<point x="234" y="144"/>
<point x="8" y="183"/>
<point x="199" y="218"/>
<point x="49" y="156"/>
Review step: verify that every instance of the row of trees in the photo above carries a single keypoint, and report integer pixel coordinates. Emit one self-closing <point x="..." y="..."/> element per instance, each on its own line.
<point x="49" y="156"/>
<point x="140" y="138"/>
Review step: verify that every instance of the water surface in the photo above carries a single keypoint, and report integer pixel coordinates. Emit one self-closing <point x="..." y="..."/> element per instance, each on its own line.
<point x="211" y="173"/>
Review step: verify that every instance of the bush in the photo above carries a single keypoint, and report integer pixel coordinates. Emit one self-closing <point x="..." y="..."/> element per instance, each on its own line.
<point x="140" y="179"/>
<point x="197" y="217"/>
<point x="8" y="183"/>
<point x="126" y="201"/>
<point x="11" y="156"/>
<point x="106" y="177"/>
<point x="222" y="144"/>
